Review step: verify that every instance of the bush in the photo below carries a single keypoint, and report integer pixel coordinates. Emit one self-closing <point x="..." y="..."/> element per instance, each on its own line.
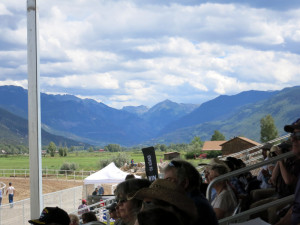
<point x="120" y="159"/>
<point x="213" y="154"/>
<point x="191" y="154"/>
<point x="69" y="167"/>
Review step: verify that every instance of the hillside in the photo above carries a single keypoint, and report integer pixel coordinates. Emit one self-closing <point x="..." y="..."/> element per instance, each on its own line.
<point x="86" y="120"/>
<point x="283" y="106"/>
<point x="14" y="130"/>
<point x="218" y="109"/>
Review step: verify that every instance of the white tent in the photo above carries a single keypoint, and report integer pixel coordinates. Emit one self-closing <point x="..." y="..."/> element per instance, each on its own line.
<point x="109" y="174"/>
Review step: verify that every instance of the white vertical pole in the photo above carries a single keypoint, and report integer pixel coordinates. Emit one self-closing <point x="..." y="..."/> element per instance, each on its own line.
<point x="34" y="114"/>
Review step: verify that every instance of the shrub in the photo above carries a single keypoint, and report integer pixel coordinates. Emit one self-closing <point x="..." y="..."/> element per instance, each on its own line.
<point x="191" y="154"/>
<point x="213" y="154"/>
<point x="69" y="167"/>
<point x="120" y="159"/>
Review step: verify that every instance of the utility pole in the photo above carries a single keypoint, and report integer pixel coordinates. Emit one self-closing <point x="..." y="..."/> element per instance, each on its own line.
<point x="34" y="110"/>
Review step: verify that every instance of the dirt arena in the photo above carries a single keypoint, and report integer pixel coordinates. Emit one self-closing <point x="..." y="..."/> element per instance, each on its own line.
<point x="22" y="186"/>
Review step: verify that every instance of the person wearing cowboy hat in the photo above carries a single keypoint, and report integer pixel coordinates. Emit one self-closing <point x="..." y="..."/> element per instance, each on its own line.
<point x="165" y="194"/>
<point x="186" y="176"/>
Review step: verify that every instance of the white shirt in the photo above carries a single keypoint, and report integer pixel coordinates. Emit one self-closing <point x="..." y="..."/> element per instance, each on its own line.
<point x="10" y="190"/>
<point x="225" y="201"/>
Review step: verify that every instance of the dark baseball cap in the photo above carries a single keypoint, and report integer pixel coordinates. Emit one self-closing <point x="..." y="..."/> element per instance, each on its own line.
<point x="52" y="215"/>
<point x="293" y="126"/>
<point x="112" y="206"/>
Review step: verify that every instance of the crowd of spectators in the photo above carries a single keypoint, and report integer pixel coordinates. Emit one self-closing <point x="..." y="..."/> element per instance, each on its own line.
<point x="178" y="198"/>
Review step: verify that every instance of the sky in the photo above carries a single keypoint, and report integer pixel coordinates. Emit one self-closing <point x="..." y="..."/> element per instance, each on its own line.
<point x="142" y="52"/>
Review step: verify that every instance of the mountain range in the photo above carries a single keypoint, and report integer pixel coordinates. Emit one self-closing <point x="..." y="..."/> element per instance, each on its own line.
<point x="91" y="122"/>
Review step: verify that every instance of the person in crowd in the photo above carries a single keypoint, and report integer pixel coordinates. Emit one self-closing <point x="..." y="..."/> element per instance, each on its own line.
<point x="101" y="190"/>
<point x="90" y="218"/>
<point x="225" y="201"/>
<point x="0" y="196"/>
<point x="83" y="208"/>
<point x="264" y="175"/>
<point x="11" y="192"/>
<point x="236" y="184"/>
<point x="185" y="175"/>
<point x="165" y="194"/>
<point x="284" y="176"/>
<point x="74" y="220"/>
<point x="128" y="208"/>
<point x="52" y="215"/>
<point x="129" y="176"/>
<point x="293" y="215"/>
<point x="95" y="192"/>
<point x="266" y="188"/>
<point x="119" y="220"/>
<point x="157" y="216"/>
<point x="112" y="211"/>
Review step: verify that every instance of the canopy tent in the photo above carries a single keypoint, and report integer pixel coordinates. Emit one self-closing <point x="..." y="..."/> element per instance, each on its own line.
<point x="109" y="174"/>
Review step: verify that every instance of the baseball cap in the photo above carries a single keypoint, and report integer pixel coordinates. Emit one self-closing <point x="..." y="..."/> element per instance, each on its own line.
<point x="52" y="215"/>
<point x="293" y="126"/>
<point x="112" y="206"/>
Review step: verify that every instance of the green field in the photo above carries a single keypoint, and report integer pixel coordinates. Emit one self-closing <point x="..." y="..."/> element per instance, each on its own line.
<point x="86" y="161"/>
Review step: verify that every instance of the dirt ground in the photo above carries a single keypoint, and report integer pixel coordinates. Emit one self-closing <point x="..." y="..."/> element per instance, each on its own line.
<point x="22" y="186"/>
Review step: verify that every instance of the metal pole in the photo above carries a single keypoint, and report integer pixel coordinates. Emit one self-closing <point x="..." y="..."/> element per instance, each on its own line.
<point x="34" y="114"/>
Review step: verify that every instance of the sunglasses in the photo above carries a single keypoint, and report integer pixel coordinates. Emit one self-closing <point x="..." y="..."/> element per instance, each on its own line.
<point x="295" y="136"/>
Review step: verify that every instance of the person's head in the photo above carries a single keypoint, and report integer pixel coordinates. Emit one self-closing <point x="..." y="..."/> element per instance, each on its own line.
<point x="74" y="220"/>
<point x="112" y="210"/>
<point x="265" y="150"/>
<point x="83" y="201"/>
<point x="52" y="215"/>
<point x="157" y="216"/>
<point x="166" y="194"/>
<point x="129" y="176"/>
<point x="88" y="217"/>
<point x="9" y="183"/>
<point x="183" y="174"/>
<point x="217" y="170"/>
<point x="128" y="208"/>
<point x="294" y="129"/>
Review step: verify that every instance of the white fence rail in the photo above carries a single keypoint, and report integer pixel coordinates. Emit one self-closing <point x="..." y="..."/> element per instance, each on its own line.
<point x="19" y="213"/>
<point x="47" y="173"/>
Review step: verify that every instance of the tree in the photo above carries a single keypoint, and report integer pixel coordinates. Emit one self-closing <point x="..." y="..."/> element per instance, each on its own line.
<point x="91" y="149"/>
<point x="197" y="143"/>
<point x="51" y="149"/>
<point x="217" y="136"/>
<point x="163" y="148"/>
<point x="268" y="130"/>
<point x="61" y="151"/>
<point x="66" y="151"/>
<point x="113" y="148"/>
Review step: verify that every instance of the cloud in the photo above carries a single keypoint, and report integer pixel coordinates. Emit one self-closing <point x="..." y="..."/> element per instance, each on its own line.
<point x="142" y="52"/>
<point x="93" y="81"/>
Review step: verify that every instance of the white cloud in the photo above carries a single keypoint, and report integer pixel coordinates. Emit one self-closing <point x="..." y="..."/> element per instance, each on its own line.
<point x="142" y="52"/>
<point x="21" y="83"/>
<point x="4" y="10"/>
<point x="92" y="81"/>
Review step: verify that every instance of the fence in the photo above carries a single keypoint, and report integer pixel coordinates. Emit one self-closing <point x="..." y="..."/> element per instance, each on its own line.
<point x="47" y="173"/>
<point x="19" y="212"/>
<point x="100" y="209"/>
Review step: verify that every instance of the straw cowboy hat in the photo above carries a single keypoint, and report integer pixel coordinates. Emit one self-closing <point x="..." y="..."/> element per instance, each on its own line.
<point x="167" y="191"/>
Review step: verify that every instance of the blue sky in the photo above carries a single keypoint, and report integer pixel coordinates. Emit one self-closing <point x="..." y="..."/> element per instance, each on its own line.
<point x="142" y="52"/>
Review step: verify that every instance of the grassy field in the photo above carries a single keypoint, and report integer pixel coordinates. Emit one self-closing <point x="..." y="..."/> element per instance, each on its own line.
<point x="86" y="161"/>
